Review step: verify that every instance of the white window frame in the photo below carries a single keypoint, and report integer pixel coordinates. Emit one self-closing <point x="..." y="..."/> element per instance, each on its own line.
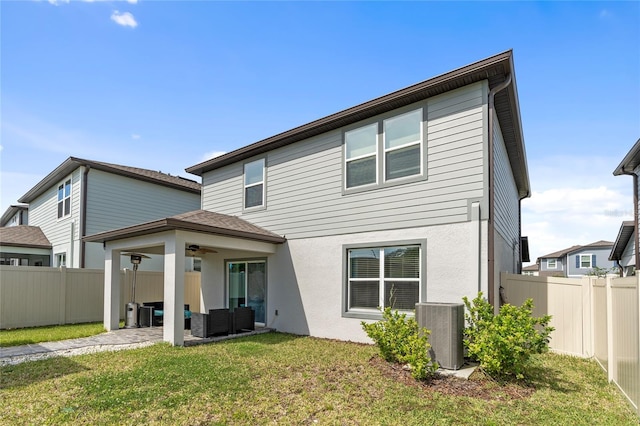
<point x="348" y="160"/>
<point x="555" y="263"/>
<point x="65" y="198"/>
<point x="245" y="186"/>
<point x="374" y="313"/>
<point x="406" y="145"/>
<point x="61" y="259"/>
<point x="590" y="260"/>
<point x="382" y="151"/>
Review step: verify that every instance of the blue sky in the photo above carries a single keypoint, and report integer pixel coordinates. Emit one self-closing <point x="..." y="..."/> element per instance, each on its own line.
<point x="165" y="85"/>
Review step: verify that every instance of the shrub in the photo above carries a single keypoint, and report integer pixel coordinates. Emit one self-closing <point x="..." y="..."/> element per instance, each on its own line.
<point x="401" y="339"/>
<point x="504" y="343"/>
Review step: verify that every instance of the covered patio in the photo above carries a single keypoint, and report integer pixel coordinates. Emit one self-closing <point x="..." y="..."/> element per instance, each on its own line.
<point x="216" y="238"/>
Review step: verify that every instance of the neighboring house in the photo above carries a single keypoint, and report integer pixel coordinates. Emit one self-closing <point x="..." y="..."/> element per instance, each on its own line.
<point x="23" y="245"/>
<point x="626" y="251"/>
<point x="15" y="215"/>
<point x="577" y="260"/>
<point x="82" y="197"/>
<point x="411" y="197"/>
<point x="531" y="270"/>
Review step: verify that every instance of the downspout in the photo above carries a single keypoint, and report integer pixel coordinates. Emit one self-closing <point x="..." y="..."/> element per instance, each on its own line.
<point x="83" y="216"/>
<point x="636" y="238"/>
<point x="490" y="224"/>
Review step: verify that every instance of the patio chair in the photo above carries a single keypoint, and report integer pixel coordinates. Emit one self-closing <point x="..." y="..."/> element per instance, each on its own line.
<point x="244" y="318"/>
<point x="219" y="321"/>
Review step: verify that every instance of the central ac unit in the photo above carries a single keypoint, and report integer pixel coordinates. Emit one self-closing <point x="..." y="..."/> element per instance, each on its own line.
<point x="446" y="322"/>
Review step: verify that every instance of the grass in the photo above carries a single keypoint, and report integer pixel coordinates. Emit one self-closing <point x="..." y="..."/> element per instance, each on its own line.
<point x="283" y="379"/>
<point x="52" y="333"/>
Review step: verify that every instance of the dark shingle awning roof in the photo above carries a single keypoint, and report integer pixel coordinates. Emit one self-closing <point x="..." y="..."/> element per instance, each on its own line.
<point x="24" y="236"/>
<point x="195" y="221"/>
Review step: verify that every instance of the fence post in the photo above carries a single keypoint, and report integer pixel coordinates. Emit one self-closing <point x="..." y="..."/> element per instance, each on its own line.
<point x="611" y="364"/>
<point x="62" y="299"/>
<point x="587" y="315"/>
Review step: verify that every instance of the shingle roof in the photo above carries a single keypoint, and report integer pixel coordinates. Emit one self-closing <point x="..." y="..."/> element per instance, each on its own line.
<point x="630" y="161"/>
<point x="23" y="236"/>
<point x="560" y="253"/>
<point x="72" y="163"/>
<point x="494" y="69"/>
<point x="533" y="267"/>
<point x="196" y="221"/>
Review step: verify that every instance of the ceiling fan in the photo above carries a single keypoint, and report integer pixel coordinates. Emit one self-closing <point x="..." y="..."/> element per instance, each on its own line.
<point x="196" y="250"/>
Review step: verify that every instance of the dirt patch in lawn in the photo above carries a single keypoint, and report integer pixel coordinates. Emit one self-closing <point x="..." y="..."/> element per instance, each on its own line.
<point x="479" y="385"/>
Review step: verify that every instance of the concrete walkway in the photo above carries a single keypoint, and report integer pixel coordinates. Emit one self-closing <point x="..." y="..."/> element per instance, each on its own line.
<point x="124" y="338"/>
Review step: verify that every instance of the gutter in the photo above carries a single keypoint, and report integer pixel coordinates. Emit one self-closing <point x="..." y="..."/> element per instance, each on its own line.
<point x="490" y="223"/>
<point x="83" y="216"/>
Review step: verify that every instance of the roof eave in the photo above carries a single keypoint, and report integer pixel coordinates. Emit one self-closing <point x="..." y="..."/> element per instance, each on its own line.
<point x="630" y="161"/>
<point x="460" y="77"/>
<point x="170" y="224"/>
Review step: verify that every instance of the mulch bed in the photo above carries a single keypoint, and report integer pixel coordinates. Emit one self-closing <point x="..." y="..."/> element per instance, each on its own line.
<point x="479" y="385"/>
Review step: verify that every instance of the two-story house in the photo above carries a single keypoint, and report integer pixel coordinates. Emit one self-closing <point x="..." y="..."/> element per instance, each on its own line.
<point x="82" y="197"/>
<point x="15" y="215"/>
<point x="625" y="251"/>
<point x="576" y="261"/>
<point x="410" y="197"/>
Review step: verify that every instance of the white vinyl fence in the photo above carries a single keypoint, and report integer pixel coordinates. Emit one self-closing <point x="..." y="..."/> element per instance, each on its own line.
<point x="592" y="318"/>
<point x="33" y="296"/>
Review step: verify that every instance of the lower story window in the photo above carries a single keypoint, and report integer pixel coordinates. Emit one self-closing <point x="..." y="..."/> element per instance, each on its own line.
<point x="380" y="277"/>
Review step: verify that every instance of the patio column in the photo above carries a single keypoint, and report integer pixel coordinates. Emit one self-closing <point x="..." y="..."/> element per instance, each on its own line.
<point x="111" y="289"/>
<point x="174" y="267"/>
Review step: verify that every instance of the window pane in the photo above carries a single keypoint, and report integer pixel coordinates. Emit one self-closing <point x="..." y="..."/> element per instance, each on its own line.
<point x="403" y="129"/>
<point x="60" y="193"/>
<point x="253" y="172"/>
<point x="60" y="209"/>
<point x="402" y="262"/>
<point x="364" y="294"/>
<point x="253" y="196"/>
<point x="67" y="188"/>
<point x="361" y="141"/>
<point x="67" y="206"/>
<point x="403" y="162"/>
<point x="361" y="172"/>
<point x="401" y="295"/>
<point x="364" y="263"/>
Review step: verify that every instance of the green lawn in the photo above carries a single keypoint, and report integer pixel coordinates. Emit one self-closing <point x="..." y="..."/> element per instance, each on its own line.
<point x="52" y="333"/>
<point x="283" y="379"/>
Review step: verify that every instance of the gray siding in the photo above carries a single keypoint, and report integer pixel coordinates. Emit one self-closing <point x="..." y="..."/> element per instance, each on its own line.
<point x="304" y="196"/>
<point x="602" y="260"/>
<point x="115" y="201"/>
<point x="506" y="206"/>
<point x="43" y="212"/>
<point x="628" y="256"/>
<point x="559" y="265"/>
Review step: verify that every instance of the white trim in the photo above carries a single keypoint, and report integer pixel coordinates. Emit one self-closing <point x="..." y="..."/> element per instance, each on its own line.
<point x="63" y="184"/>
<point x="590" y="261"/>
<point x="555" y="264"/>
<point x="262" y="182"/>
<point x="419" y="142"/>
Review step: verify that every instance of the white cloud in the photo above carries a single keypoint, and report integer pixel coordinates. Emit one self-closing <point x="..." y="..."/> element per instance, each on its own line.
<point x="135" y="136"/>
<point x="125" y="19"/>
<point x="605" y="14"/>
<point x="211" y="154"/>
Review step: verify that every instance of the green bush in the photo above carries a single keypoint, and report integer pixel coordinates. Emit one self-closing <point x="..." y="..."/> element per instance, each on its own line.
<point x="504" y="343"/>
<point x="401" y="339"/>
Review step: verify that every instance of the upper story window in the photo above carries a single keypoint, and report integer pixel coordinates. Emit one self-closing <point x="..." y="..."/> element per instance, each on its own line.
<point x="552" y="263"/>
<point x="254" y="184"/>
<point x="391" y="147"/>
<point x="64" y="199"/>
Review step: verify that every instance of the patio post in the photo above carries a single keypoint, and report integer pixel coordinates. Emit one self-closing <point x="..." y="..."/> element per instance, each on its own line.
<point x="111" y="289"/>
<point x="174" y="270"/>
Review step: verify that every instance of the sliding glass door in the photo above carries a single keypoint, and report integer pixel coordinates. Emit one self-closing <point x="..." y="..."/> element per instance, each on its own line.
<point x="247" y="286"/>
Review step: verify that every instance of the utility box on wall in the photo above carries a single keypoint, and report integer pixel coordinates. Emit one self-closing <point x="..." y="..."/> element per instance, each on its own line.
<point x="446" y="322"/>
